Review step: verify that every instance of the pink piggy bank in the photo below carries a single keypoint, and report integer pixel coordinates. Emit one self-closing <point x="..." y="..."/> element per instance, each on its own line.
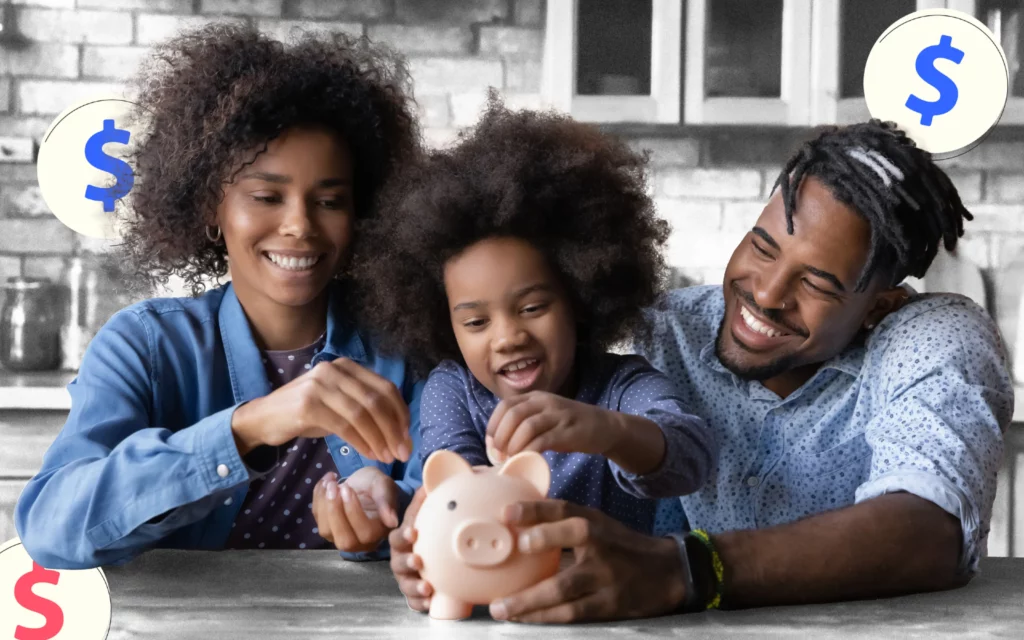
<point x="469" y="556"/>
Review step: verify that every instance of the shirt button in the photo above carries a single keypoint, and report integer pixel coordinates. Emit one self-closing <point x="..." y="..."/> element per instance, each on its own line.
<point x="753" y="481"/>
<point x="344" y="451"/>
<point x="222" y="470"/>
<point x="227" y="503"/>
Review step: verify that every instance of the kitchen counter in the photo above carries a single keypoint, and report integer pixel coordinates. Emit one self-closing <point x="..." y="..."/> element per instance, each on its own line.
<point x="35" y="390"/>
<point x="316" y="594"/>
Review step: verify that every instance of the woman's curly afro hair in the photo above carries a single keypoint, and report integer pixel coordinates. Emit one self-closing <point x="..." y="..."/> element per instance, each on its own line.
<point x="216" y="96"/>
<point x="576" y="194"/>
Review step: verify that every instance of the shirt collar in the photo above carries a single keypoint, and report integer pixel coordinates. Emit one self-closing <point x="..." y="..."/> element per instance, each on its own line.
<point x="245" y="363"/>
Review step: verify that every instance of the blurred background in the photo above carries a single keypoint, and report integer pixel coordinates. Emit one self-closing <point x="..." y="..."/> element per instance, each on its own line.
<point x="720" y="92"/>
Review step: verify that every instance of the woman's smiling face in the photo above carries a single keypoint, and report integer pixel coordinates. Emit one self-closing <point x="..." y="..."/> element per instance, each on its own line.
<point x="287" y="218"/>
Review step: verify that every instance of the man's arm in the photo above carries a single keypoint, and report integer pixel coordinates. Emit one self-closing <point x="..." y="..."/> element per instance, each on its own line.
<point x="894" y="544"/>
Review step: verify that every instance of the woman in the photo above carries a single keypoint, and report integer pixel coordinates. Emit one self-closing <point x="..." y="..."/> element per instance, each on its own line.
<point x="206" y="422"/>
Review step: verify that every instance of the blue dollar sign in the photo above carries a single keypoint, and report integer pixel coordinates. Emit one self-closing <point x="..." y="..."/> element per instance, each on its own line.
<point x="948" y="93"/>
<point x="119" y="168"/>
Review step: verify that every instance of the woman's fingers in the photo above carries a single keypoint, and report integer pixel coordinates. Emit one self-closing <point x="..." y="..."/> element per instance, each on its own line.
<point x="344" y="538"/>
<point x="360" y="407"/>
<point x="319" y="502"/>
<point x="396" y="432"/>
<point x="368" y="531"/>
<point x="320" y="417"/>
<point x="349" y="420"/>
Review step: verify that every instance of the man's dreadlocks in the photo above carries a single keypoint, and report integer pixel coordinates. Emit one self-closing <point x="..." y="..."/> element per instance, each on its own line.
<point x="873" y="167"/>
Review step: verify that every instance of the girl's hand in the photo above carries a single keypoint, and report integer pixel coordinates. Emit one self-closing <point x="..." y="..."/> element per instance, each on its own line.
<point x="357" y="514"/>
<point x="339" y="397"/>
<point x="541" y="421"/>
<point x="406" y="565"/>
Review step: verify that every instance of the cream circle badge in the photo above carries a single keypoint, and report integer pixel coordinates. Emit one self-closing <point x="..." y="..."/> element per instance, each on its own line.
<point x="941" y="76"/>
<point x="45" y="604"/>
<point x="82" y="169"/>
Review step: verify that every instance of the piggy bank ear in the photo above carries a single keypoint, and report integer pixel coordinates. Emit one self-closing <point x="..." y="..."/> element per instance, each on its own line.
<point x="530" y="466"/>
<point x="442" y="465"/>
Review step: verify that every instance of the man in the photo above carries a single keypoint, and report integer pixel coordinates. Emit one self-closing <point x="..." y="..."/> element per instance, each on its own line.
<point x="860" y="426"/>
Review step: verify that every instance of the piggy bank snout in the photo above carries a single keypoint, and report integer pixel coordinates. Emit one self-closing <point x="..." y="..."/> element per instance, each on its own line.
<point x="483" y="543"/>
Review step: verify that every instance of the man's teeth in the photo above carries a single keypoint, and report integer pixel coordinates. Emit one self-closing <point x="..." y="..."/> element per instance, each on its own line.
<point x="292" y="263"/>
<point x="516" y="366"/>
<point x="757" y="325"/>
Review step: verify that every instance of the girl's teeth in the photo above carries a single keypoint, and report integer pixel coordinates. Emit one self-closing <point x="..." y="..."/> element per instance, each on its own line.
<point x="292" y="263"/>
<point x="516" y="366"/>
<point x="757" y="325"/>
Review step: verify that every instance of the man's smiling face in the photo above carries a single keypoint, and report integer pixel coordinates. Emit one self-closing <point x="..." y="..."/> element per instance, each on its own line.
<point x="790" y="302"/>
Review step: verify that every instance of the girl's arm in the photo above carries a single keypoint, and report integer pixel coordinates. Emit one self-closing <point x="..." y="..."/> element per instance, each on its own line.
<point x="647" y="396"/>
<point x="112" y="483"/>
<point x="445" y="418"/>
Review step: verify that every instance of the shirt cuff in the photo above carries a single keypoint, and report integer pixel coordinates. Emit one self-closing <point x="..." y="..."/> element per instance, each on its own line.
<point x="941" y="492"/>
<point x="220" y="465"/>
<point x="679" y="473"/>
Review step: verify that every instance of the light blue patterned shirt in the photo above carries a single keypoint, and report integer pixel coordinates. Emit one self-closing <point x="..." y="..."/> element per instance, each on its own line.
<point x="920" y="407"/>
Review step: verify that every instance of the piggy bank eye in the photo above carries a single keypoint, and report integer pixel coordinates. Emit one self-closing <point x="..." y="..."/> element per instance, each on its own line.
<point x="451" y="506"/>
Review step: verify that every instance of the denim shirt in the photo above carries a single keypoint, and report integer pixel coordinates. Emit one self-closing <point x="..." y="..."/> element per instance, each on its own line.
<point x="147" y="458"/>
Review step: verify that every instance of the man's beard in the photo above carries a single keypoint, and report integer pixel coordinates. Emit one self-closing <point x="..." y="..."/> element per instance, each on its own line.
<point x="761" y="373"/>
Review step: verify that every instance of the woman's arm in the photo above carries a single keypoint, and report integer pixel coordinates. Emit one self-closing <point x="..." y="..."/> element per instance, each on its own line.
<point x="113" y="483"/>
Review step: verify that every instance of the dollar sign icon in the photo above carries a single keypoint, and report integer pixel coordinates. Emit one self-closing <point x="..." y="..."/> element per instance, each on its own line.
<point x="118" y="168"/>
<point x="925" y="66"/>
<point x="33" y="602"/>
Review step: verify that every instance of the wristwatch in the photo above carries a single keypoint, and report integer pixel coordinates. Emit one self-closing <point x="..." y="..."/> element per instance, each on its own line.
<point x="692" y="601"/>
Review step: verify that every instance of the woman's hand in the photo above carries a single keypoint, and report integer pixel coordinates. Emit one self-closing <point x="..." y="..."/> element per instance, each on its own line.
<point x="541" y="421"/>
<point x="358" y="513"/>
<point x="339" y="397"/>
<point x="406" y="565"/>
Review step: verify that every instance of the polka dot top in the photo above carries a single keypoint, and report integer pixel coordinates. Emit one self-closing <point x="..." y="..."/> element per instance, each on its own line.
<point x="455" y="408"/>
<point x="278" y="509"/>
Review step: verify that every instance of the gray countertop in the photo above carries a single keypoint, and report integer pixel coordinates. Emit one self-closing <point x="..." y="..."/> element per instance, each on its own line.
<point x="316" y="594"/>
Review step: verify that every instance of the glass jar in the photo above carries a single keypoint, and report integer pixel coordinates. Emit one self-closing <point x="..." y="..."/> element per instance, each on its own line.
<point x="30" y="325"/>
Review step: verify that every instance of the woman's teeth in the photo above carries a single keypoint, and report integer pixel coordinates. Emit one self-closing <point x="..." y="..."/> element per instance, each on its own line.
<point x="292" y="263"/>
<point x="516" y="366"/>
<point x="757" y="325"/>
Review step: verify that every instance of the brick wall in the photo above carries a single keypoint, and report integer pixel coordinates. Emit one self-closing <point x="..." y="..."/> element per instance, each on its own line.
<point x="710" y="186"/>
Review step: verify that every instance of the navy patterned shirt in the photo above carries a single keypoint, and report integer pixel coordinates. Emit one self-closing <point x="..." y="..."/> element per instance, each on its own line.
<point x="920" y="407"/>
<point x="278" y="509"/>
<point x="455" y="408"/>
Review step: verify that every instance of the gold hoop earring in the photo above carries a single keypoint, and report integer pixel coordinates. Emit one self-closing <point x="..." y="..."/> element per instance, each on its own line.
<point x="211" y="238"/>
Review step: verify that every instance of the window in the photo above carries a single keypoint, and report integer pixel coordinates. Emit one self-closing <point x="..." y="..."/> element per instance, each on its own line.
<point x="784" y="62"/>
<point x="1006" y="20"/>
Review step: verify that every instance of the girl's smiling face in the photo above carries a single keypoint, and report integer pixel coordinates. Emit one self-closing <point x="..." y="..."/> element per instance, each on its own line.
<point x="287" y="218"/>
<point x="511" y="317"/>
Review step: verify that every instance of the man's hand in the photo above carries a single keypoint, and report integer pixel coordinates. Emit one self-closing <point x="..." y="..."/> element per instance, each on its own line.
<point x="618" y="573"/>
<point x="357" y="514"/>
<point x="405" y="565"/>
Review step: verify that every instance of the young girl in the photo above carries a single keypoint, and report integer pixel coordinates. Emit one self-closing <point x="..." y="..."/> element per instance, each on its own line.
<point x="206" y="422"/>
<point x="512" y="262"/>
